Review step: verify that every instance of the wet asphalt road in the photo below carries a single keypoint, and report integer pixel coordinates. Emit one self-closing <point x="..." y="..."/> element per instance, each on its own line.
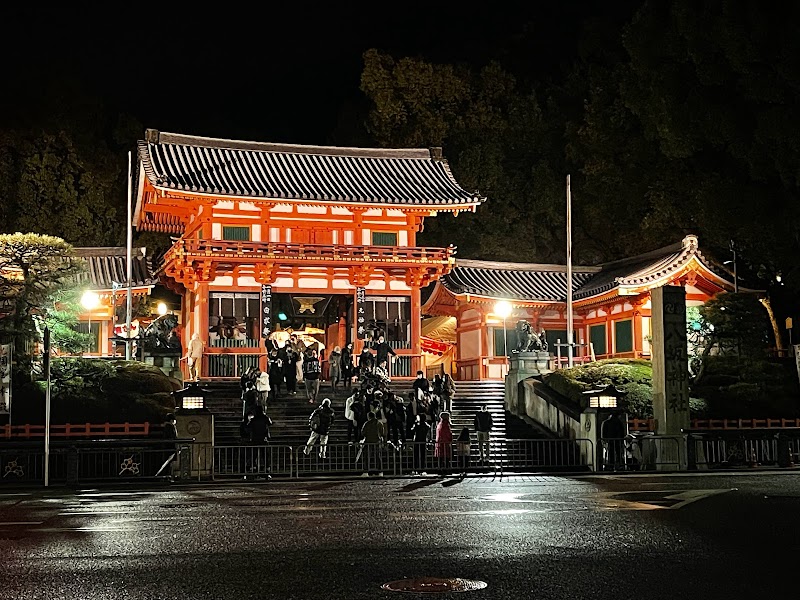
<point x="707" y="536"/>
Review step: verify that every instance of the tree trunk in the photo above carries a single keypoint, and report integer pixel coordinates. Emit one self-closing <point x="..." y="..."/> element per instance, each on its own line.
<point x="775" y="329"/>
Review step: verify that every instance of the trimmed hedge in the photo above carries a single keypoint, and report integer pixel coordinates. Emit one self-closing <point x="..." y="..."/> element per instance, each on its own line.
<point x="634" y="376"/>
<point x="97" y="391"/>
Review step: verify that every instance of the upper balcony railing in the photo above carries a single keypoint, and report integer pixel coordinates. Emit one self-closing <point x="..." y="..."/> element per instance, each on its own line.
<point x="304" y="253"/>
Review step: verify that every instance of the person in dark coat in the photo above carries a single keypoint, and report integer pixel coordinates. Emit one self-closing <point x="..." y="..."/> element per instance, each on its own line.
<point x="483" y="426"/>
<point x="347" y="364"/>
<point x="366" y="362"/>
<point x="382" y="350"/>
<point x="612" y="433"/>
<point x="249" y="398"/>
<point x="401" y="417"/>
<point x="290" y="370"/>
<point x="275" y="370"/>
<point x="420" y="432"/>
<point x="259" y="436"/>
<point x="320" y="422"/>
<point x="421" y="385"/>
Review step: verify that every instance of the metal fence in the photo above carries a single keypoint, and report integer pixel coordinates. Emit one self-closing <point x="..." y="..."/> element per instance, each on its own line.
<point x="252" y="461"/>
<point x="98" y="461"/>
<point x="641" y="452"/>
<point x="549" y="454"/>
<point x="753" y="448"/>
<point x="139" y="460"/>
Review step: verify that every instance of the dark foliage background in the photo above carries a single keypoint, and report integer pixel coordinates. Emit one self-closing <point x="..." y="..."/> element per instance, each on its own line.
<point x="672" y="117"/>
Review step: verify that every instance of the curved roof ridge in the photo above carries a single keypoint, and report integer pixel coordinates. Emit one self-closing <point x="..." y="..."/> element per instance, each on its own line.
<point x="163" y="137"/>
<point x="689" y="243"/>
<point x="514" y="266"/>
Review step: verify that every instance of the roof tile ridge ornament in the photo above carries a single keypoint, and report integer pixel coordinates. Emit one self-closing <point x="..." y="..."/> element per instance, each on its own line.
<point x="156" y="137"/>
<point x="688" y="249"/>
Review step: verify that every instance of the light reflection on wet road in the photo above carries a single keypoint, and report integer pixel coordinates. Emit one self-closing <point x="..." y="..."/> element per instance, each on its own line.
<point x="542" y="537"/>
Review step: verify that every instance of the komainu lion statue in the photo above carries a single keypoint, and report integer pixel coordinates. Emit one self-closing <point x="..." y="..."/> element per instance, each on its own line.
<point x="528" y="340"/>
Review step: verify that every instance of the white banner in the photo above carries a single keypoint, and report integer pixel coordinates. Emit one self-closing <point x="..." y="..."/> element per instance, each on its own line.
<point x="5" y="378"/>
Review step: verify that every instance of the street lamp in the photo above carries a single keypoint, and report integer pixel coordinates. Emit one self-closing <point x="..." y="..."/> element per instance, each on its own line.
<point x="162" y="309"/>
<point x="503" y="309"/>
<point x="90" y="300"/>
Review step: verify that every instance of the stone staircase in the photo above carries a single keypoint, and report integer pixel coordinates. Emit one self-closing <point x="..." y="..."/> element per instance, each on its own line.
<point x="290" y="413"/>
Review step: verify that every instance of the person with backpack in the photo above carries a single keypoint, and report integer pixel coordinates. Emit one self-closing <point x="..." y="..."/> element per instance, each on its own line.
<point x="312" y="369"/>
<point x="320" y="423"/>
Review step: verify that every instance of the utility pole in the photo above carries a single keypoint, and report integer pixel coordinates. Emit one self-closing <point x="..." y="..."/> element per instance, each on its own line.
<point x="128" y="340"/>
<point x="570" y="345"/>
<point x="735" y="275"/>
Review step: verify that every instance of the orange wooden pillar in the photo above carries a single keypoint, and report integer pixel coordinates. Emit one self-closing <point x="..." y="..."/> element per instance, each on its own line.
<point x="416" y="331"/>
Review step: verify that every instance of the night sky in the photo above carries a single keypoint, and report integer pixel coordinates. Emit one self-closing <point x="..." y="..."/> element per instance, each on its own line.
<point x="277" y="74"/>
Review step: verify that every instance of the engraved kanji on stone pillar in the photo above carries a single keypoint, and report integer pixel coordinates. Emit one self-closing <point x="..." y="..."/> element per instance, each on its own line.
<point x="670" y="360"/>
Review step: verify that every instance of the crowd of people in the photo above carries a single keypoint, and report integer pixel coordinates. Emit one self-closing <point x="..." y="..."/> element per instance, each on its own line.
<point x="376" y="416"/>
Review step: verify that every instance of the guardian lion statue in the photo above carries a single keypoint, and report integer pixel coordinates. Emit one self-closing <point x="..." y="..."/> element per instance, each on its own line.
<point x="528" y="340"/>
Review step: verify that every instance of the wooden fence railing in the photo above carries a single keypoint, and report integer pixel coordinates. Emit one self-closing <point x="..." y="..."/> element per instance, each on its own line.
<point x="70" y="430"/>
<point x="720" y="424"/>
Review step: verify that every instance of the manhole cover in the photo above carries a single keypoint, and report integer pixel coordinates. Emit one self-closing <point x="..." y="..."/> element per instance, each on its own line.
<point x="434" y="585"/>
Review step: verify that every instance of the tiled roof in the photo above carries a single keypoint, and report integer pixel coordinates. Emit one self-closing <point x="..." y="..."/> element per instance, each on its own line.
<point x="108" y="265"/>
<point x="547" y="283"/>
<point x="288" y="171"/>
<point x="514" y="281"/>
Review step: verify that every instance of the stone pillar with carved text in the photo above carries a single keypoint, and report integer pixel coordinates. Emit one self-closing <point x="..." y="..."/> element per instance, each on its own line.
<point x="670" y="368"/>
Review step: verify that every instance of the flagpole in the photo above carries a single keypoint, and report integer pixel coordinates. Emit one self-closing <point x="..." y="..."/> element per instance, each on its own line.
<point x="129" y="301"/>
<point x="570" y="345"/>
<point x="46" y="360"/>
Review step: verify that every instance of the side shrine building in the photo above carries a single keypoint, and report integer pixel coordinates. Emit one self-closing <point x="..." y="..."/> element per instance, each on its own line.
<point x="611" y="304"/>
<point x="276" y="238"/>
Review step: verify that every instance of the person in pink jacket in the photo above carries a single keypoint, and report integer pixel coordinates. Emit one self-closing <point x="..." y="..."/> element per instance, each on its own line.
<point x="443" y="451"/>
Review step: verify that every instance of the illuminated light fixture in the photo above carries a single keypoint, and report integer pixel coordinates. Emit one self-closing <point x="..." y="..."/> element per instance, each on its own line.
<point x="503" y="309"/>
<point x="282" y="316"/>
<point x="162" y="309"/>
<point x="607" y="397"/>
<point x="90" y="300"/>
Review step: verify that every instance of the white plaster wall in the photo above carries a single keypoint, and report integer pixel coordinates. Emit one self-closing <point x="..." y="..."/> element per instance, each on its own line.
<point x="312" y="210"/>
<point x="348" y="238"/>
<point x="225" y="204"/>
<point x="402" y="238"/>
<point x="396" y="284"/>
<point x="216" y="231"/>
<point x="283" y="282"/>
<point x="373" y="212"/>
<point x="366" y="237"/>
<point x="247" y="281"/>
<point x="249" y="206"/>
<point x="340" y="284"/>
<point x="281" y="208"/>
<point x="469" y="343"/>
<point x="288" y="235"/>
<point x="377" y="284"/>
<point x="255" y="233"/>
<point x="274" y="234"/>
<point x="340" y="211"/>
<point x="312" y="283"/>
<point x="223" y="280"/>
<point x="335" y="236"/>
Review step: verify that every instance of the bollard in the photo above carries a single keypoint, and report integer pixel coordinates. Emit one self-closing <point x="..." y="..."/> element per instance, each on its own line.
<point x="784" y="451"/>
<point x="73" y="462"/>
